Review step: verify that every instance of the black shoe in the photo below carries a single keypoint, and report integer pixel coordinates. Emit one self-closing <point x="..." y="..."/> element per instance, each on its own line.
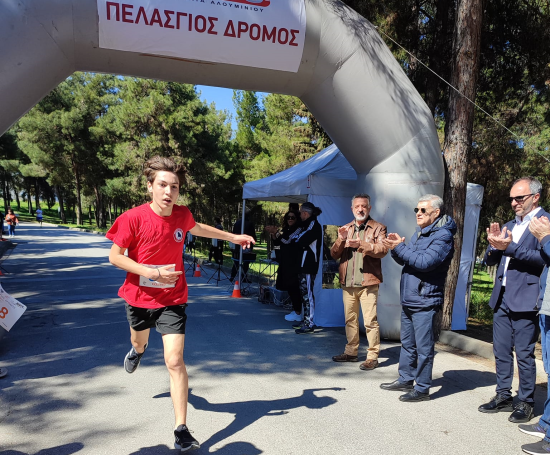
<point x="498" y="403"/>
<point x="533" y="430"/>
<point x="537" y="448"/>
<point x="304" y="329"/>
<point x="184" y="441"/>
<point x="345" y="358"/>
<point x="523" y="412"/>
<point x="415" y="395"/>
<point x="132" y="359"/>
<point x="396" y="385"/>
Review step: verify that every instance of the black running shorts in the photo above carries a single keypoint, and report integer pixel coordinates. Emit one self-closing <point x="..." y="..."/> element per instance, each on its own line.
<point x="167" y="320"/>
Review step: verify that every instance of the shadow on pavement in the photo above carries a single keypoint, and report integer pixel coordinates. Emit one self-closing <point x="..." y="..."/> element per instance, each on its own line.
<point x="248" y="412"/>
<point x="455" y="381"/>
<point x="66" y="449"/>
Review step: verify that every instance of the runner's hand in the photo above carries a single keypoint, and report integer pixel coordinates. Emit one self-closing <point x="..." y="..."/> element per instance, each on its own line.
<point x="166" y="276"/>
<point x="244" y="240"/>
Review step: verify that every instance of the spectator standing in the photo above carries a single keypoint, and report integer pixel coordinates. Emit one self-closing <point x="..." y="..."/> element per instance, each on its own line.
<point x="309" y="241"/>
<point x="11" y="221"/>
<point x="360" y="250"/>
<point x="514" y="301"/>
<point x="540" y="228"/>
<point x="425" y="260"/>
<point x="288" y="273"/>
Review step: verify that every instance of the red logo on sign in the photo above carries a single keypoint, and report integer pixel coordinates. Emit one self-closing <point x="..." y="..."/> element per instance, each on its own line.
<point x="253" y="2"/>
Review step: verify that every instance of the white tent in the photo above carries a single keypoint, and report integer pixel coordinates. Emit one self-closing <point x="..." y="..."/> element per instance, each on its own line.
<point x="326" y="179"/>
<point x="329" y="181"/>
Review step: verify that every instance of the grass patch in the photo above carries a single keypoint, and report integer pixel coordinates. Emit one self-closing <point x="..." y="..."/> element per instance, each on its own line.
<point x="482" y="287"/>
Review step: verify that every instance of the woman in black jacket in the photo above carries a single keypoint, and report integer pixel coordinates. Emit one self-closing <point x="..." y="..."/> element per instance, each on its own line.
<point x="309" y="241"/>
<point x="288" y="274"/>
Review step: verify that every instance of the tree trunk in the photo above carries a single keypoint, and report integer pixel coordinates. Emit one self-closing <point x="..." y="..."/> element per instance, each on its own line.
<point x="458" y="131"/>
<point x="36" y="193"/>
<point x="61" y="209"/>
<point x="17" y="200"/>
<point x="78" y="205"/>
<point x="5" y="194"/>
<point x="29" y="200"/>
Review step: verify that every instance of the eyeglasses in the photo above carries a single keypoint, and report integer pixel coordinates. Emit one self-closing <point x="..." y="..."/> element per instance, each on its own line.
<point x="422" y="210"/>
<point x="290" y="218"/>
<point x="520" y="199"/>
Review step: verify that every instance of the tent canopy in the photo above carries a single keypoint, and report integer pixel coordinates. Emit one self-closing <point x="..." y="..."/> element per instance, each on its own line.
<point x="328" y="173"/>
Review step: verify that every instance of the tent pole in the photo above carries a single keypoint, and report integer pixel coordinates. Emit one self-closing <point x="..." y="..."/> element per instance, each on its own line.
<point x="241" y="250"/>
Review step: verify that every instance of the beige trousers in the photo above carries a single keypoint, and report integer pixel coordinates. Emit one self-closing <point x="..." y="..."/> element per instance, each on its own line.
<point x="367" y="297"/>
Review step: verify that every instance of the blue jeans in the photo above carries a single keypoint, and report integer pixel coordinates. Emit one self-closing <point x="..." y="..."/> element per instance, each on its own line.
<point x="11" y="229"/>
<point x="544" y="421"/>
<point x="417" y="347"/>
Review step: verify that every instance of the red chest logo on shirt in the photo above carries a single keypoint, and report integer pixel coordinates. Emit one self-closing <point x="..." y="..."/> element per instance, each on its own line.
<point x="178" y="235"/>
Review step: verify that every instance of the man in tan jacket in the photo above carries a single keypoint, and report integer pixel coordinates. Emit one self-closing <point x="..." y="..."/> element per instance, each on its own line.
<point x="359" y="248"/>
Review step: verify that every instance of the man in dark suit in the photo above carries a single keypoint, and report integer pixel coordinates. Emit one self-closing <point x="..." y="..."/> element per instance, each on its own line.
<point x="514" y="300"/>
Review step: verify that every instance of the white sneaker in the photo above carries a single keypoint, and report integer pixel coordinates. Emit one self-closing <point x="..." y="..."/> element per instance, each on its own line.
<point x="293" y="317"/>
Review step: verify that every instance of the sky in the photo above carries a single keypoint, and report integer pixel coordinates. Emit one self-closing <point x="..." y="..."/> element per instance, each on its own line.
<point x="223" y="97"/>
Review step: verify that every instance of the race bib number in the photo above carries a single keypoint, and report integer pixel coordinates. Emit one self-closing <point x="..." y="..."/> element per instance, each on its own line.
<point x="147" y="283"/>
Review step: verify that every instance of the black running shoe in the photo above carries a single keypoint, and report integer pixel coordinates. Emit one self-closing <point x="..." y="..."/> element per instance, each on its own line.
<point x="132" y="359"/>
<point x="184" y="441"/>
<point x="304" y="329"/>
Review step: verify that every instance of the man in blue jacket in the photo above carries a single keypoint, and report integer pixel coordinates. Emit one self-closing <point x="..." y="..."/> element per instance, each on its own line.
<point x="514" y="300"/>
<point x="540" y="228"/>
<point x="425" y="260"/>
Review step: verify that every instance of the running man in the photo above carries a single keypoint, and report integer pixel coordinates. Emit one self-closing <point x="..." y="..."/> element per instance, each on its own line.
<point x="155" y="289"/>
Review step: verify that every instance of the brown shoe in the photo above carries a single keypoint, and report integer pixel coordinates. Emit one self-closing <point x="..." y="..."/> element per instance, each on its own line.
<point x="369" y="364"/>
<point x="345" y="358"/>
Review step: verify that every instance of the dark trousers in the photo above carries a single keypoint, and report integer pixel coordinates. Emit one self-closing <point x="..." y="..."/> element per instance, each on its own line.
<point x="519" y="330"/>
<point x="417" y="347"/>
<point x="290" y="282"/>
<point x="307" y="282"/>
<point x="295" y="295"/>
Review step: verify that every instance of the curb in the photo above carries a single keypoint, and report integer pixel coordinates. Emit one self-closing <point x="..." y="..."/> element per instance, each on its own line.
<point x="477" y="347"/>
<point x="483" y="349"/>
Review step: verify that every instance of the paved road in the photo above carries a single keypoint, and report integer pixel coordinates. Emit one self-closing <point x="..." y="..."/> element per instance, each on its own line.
<point x="257" y="388"/>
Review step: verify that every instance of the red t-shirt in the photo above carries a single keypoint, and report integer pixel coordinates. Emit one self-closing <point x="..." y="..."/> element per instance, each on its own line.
<point x="154" y="240"/>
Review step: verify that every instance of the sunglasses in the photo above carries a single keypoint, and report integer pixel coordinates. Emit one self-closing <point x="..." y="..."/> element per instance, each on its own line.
<point x="290" y="218"/>
<point x="520" y="199"/>
<point x="422" y="210"/>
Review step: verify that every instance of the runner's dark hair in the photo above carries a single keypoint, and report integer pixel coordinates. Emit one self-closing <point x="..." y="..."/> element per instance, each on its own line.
<point x="160" y="164"/>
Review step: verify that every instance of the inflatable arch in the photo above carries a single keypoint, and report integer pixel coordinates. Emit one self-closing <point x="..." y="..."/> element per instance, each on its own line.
<point x="318" y="50"/>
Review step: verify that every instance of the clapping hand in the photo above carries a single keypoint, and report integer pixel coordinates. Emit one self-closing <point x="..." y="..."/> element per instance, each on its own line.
<point x="392" y="240"/>
<point x="353" y="243"/>
<point x="540" y="227"/>
<point x="499" y="239"/>
<point x="343" y="233"/>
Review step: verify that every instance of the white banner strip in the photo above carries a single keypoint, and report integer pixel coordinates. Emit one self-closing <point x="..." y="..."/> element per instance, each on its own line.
<point x="257" y="33"/>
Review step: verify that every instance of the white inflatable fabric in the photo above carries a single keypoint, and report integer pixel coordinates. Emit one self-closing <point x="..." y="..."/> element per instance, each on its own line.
<point x="347" y="77"/>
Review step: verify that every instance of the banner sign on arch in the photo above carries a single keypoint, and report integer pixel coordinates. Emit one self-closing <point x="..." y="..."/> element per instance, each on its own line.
<point x="257" y="33"/>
